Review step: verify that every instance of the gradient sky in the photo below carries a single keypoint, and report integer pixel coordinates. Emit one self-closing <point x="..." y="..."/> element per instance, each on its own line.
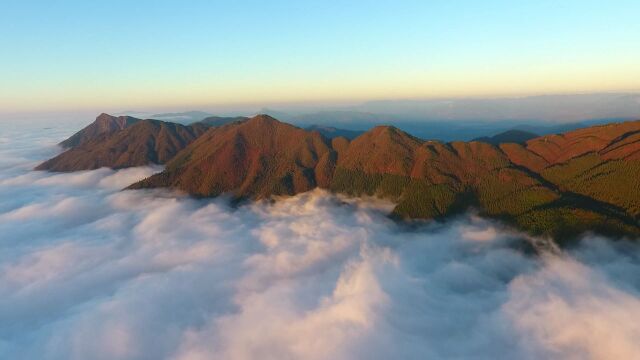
<point x="59" y="55"/>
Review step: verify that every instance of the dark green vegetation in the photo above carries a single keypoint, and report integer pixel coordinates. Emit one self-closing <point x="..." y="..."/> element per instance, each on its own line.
<point x="557" y="185"/>
<point x="615" y="181"/>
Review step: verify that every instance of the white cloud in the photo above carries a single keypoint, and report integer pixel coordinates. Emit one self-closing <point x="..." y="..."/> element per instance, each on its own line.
<point x="568" y="310"/>
<point x="90" y="272"/>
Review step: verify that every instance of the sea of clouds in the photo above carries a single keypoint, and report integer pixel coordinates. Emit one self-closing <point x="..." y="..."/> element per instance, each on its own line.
<point x="91" y="272"/>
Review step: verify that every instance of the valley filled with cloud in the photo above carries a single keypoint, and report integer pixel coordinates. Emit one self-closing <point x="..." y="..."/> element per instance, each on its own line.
<point x="88" y="271"/>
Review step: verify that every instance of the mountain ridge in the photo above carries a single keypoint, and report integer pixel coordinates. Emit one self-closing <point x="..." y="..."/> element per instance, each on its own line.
<point x="103" y="125"/>
<point x="142" y="143"/>
<point x="558" y="185"/>
<point x="241" y="154"/>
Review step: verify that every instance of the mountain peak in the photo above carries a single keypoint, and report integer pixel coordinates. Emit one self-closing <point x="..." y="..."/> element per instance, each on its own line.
<point x="383" y="149"/>
<point x="256" y="158"/>
<point x="264" y="125"/>
<point x="391" y="132"/>
<point x="144" y="142"/>
<point x="383" y="128"/>
<point x="263" y="119"/>
<point x="104" y="116"/>
<point x="103" y="125"/>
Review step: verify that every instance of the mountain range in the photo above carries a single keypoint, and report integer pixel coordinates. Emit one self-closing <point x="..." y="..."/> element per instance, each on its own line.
<point x="558" y="185"/>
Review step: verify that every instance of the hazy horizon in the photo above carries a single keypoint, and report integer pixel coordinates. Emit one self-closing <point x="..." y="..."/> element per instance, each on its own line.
<point x="571" y="107"/>
<point x="75" y="55"/>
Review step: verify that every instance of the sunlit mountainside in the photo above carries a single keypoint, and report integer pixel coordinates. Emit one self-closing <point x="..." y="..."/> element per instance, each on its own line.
<point x="561" y="185"/>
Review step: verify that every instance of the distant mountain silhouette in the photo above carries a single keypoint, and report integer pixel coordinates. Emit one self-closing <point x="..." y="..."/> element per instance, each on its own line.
<point x="336" y="118"/>
<point x="185" y="117"/>
<point x="509" y="136"/>
<point x="221" y="120"/>
<point x="543" y="108"/>
<point x="331" y="132"/>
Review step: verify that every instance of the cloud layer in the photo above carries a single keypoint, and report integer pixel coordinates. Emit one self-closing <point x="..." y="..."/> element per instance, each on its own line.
<point x="91" y="272"/>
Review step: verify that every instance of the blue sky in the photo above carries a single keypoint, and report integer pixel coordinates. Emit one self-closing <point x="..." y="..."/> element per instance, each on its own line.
<point x="124" y="54"/>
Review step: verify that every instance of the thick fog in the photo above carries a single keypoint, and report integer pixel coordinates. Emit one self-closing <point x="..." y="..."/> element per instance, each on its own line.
<point x="91" y="272"/>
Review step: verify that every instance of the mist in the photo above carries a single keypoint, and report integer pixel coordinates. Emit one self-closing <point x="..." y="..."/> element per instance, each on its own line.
<point x="88" y="271"/>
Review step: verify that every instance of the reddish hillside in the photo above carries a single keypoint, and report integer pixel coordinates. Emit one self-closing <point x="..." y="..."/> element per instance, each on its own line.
<point x="560" y="185"/>
<point x="145" y="142"/>
<point x="383" y="149"/>
<point x="611" y="141"/>
<point x="103" y="125"/>
<point x="256" y="158"/>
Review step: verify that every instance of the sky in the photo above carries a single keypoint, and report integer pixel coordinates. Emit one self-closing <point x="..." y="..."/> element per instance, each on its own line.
<point x="66" y="55"/>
